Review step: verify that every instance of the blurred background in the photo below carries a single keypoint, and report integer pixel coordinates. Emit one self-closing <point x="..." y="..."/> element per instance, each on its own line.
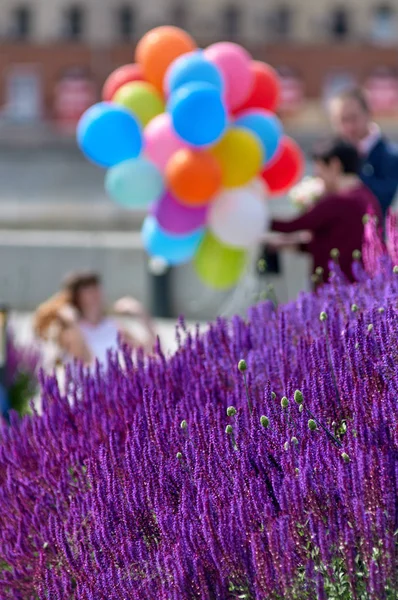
<point x="54" y="58"/>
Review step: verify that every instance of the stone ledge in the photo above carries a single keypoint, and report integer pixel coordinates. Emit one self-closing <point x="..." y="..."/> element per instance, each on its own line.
<point x="68" y="215"/>
<point x="71" y="239"/>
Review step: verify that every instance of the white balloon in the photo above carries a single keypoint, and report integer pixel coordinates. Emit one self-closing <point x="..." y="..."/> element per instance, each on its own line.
<point x="239" y="217"/>
<point x="259" y="186"/>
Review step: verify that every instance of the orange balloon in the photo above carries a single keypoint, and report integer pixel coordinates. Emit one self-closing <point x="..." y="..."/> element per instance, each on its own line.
<point x="193" y="177"/>
<point x="158" y="49"/>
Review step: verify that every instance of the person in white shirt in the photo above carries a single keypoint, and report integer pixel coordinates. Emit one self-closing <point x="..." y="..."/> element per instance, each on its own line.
<point x="77" y="321"/>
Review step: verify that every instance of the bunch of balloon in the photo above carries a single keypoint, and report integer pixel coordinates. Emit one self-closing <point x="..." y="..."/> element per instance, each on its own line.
<point x="192" y="136"/>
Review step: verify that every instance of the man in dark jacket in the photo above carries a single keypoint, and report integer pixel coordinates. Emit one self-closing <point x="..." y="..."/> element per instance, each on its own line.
<point x="351" y="119"/>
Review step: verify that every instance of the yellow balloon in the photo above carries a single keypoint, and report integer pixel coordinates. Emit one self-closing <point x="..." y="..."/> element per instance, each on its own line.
<point x="142" y="99"/>
<point x="219" y="266"/>
<point x="240" y="155"/>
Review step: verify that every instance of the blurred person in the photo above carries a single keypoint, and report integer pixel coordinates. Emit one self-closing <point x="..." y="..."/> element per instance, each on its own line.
<point x="336" y="220"/>
<point x="351" y="118"/>
<point x="76" y="319"/>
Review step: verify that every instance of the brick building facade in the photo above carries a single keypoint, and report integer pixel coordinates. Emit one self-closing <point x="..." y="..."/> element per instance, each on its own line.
<point x="318" y="43"/>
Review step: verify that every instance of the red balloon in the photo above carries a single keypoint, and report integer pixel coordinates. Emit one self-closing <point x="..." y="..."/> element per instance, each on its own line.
<point x="120" y="77"/>
<point x="286" y="170"/>
<point x="266" y="90"/>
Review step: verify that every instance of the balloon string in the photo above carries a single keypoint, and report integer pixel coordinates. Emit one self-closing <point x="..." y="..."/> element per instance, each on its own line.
<point x="250" y="289"/>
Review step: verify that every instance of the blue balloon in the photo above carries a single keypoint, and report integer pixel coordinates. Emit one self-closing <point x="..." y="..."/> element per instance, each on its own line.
<point x="266" y="126"/>
<point x="109" y="134"/>
<point x="134" y="183"/>
<point x="191" y="68"/>
<point x="198" y="114"/>
<point x="173" y="249"/>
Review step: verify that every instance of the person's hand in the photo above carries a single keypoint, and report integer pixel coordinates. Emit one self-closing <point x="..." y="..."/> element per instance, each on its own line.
<point x="302" y="237"/>
<point x="288" y="241"/>
<point x="129" y="307"/>
<point x="68" y="315"/>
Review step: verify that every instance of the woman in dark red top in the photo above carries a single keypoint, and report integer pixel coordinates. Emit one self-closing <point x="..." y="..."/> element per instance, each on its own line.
<point x="336" y="221"/>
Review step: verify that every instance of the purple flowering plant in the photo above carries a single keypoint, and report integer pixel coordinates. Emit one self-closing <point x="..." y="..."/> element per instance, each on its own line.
<point x="260" y="461"/>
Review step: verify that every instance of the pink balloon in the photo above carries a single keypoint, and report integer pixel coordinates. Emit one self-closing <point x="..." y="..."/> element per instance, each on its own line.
<point x="173" y="217"/>
<point x="234" y="63"/>
<point x="160" y="141"/>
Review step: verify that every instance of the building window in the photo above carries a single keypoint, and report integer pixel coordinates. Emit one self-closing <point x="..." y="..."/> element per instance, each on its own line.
<point x="126" y="22"/>
<point x="21" y="22"/>
<point x="339" y="23"/>
<point x="282" y="21"/>
<point x="383" y="26"/>
<point x="178" y="16"/>
<point x="74" y="23"/>
<point x="23" y="93"/>
<point x="231" y="21"/>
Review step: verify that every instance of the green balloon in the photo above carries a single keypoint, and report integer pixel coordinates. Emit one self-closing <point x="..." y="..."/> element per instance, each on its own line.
<point x="142" y="99"/>
<point x="219" y="266"/>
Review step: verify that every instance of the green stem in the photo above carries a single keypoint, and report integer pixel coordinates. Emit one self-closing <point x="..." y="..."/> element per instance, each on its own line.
<point x="325" y="429"/>
<point x="249" y="402"/>
<point x="234" y="444"/>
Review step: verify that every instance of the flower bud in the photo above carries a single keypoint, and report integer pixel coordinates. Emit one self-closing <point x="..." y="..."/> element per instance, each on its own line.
<point x="345" y="457"/>
<point x="335" y="254"/>
<point x="294" y="441"/>
<point x="229" y="430"/>
<point x="284" y="402"/>
<point x="312" y="425"/>
<point x="273" y="395"/>
<point x="301" y="409"/>
<point x="298" y="397"/>
<point x="231" y="411"/>
<point x="354" y="308"/>
<point x="382" y="310"/>
<point x="264" y="422"/>
<point x="357" y="255"/>
<point x="242" y="366"/>
<point x="286" y="446"/>
<point x="297" y="471"/>
<point x="179" y="455"/>
<point x="262" y="265"/>
<point x="323" y="316"/>
<point x="395" y="270"/>
<point x="370" y="327"/>
<point x="184" y="425"/>
<point x="365" y="219"/>
<point x="319" y="271"/>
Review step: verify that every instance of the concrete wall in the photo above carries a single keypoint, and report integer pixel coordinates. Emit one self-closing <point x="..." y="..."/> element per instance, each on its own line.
<point x="32" y="264"/>
<point x="55" y="218"/>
